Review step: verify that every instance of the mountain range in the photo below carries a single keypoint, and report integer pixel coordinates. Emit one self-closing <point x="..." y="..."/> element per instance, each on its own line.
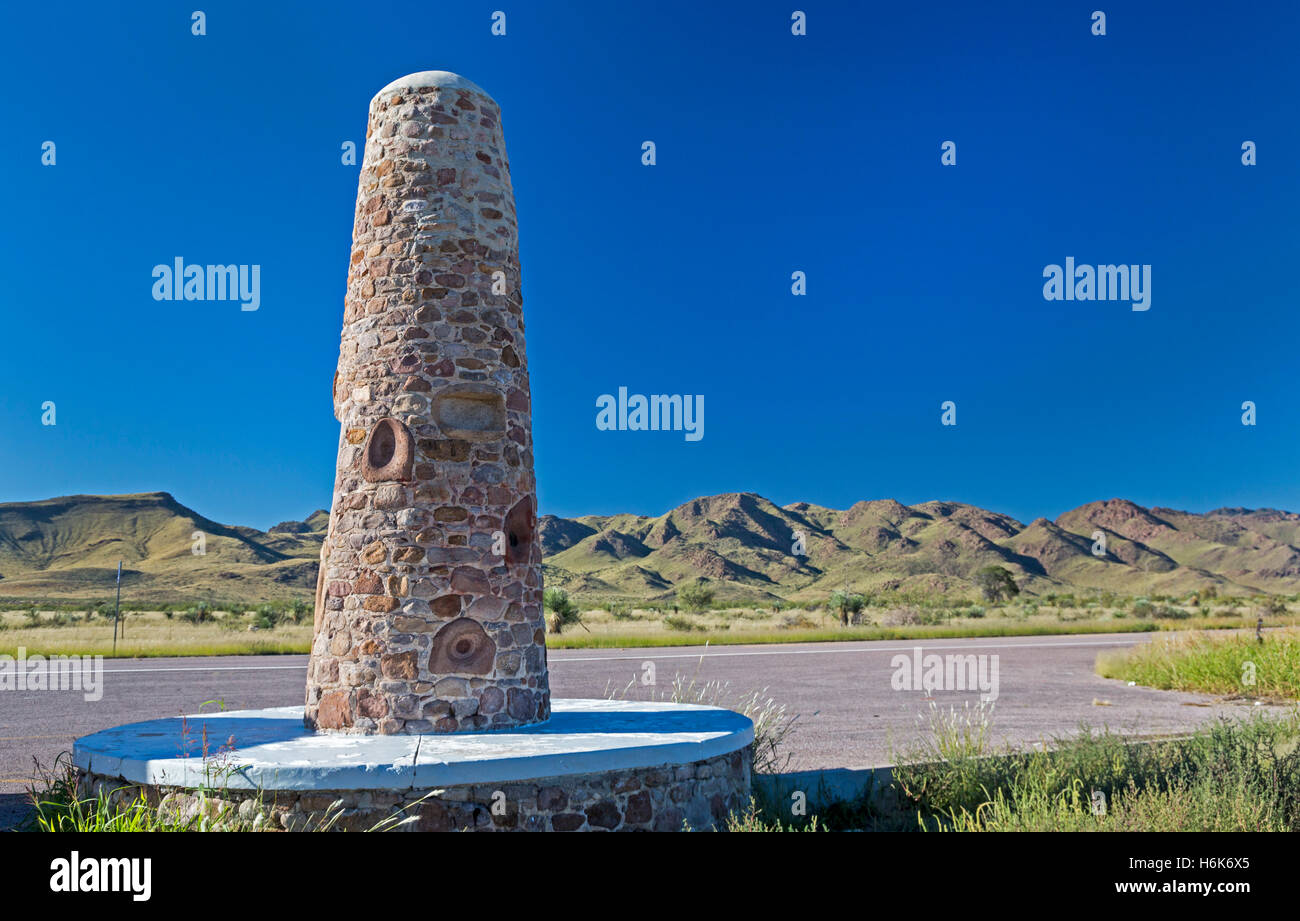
<point x="741" y="543"/>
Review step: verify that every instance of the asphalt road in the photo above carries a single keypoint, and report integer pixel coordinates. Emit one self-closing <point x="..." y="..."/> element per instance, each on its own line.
<point x="849" y="714"/>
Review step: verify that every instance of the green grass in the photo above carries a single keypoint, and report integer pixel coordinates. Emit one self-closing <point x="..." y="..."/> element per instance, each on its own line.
<point x="1235" y="664"/>
<point x="163" y="650"/>
<point x="145" y="634"/>
<point x="58" y="806"/>
<point x="1229" y="776"/>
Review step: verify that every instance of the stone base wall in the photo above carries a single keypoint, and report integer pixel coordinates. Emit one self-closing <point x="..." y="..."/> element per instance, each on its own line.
<point x="668" y="798"/>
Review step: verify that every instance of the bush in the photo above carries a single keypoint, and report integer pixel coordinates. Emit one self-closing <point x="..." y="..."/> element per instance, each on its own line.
<point x="797" y="622"/>
<point x="266" y="617"/>
<point x="908" y="616"/>
<point x="695" y="598"/>
<point x="564" y="612"/>
<point x="1273" y="607"/>
<point x="200" y="613"/>
<point x="684" y="624"/>
<point x="848" y="605"/>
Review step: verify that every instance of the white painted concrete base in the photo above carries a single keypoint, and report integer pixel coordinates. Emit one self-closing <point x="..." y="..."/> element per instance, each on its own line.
<point x="272" y="750"/>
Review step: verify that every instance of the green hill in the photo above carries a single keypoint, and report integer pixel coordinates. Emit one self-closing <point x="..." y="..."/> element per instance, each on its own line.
<point x="68" y="549"/>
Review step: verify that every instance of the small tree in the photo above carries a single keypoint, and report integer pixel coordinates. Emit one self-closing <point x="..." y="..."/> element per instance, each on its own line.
<point x="695" y="598"/>
<point x="563" y="611"/>
<point x="198" y="613"/>
<point x="266" y="617"/>
<point x="996" y="583"/>
<point x="847" y="604"/>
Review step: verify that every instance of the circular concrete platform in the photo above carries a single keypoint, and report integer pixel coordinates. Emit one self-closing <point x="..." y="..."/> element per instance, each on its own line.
<point x="595" y="765"/>
<point x="272" y="750"/>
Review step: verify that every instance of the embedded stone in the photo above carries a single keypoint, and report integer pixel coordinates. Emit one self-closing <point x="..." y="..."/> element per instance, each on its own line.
<point x="469" y="580"/>
<point x="604" y="814"/>
<point x="445" y="606"/>
<point x="400" y="665"/>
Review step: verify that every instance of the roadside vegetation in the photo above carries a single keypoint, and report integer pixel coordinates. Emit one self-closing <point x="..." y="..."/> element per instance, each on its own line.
<point x="200" y="629"/>
<point x="58" y="806"/>
<point x="692" y="616"/>
<point x="1235" y="665"/>
<point x="1229" y="776"/>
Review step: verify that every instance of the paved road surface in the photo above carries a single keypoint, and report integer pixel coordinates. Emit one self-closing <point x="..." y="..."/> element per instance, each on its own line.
<point x="848" y="712"/>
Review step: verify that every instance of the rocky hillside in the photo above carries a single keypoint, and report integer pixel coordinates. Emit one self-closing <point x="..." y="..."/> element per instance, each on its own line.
<point x="739" y="542"/>
<point x="742" y="542"/>
<point x="70" y="547"/>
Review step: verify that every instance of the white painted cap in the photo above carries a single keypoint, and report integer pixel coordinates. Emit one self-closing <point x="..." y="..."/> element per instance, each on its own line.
<point x="427" y="79"/>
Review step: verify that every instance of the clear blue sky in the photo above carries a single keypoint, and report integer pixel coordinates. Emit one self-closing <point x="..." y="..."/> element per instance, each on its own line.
<point x="775" y="153"/>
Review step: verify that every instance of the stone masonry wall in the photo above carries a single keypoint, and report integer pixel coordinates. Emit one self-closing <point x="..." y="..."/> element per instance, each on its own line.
<point x="665" y="798"/>
<point x="428" y="609"/>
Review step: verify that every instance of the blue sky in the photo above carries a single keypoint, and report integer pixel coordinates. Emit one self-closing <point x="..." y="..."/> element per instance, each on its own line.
<point x="775" y="153"/>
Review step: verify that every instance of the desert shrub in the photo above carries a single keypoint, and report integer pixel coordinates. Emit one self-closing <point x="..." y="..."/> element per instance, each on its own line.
<point x="619" y="610"/>
<point x="564" y="612"/>
<point x="1273" y="607"/>
<point x="682" y="624"/>
<point x="695" y="598"/>
<point x="909" y="616"/>
<point x="849" y="605"/>
<point x="298" y="610"/>
<point x="796" y="621"/>
<point x="200" y="613"/>
<point x="266" y="617"/>
<point x="1143" y="608"/>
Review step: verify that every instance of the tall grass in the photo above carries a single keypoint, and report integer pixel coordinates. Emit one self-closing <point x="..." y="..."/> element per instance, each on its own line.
<point x="1228" y="776"/>
<point x="772" y="724"/>
<point x="58" y="806"/>
<point x="1234" y="664"/>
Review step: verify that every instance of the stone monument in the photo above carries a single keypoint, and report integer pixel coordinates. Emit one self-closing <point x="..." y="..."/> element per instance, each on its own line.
<point x="429" y="602"/>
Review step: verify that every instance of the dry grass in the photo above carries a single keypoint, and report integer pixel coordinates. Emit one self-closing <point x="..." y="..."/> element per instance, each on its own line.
<point x="151" y="634"/>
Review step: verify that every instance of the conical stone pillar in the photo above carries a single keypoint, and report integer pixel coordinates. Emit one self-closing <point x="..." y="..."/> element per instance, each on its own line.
<point x="428" y="608"/>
